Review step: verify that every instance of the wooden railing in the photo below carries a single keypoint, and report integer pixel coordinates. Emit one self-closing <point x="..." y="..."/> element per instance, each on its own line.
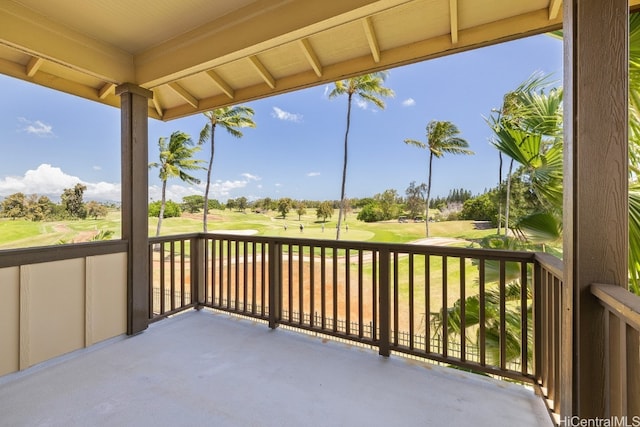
<point x="489" y="311"/>
<point x="622" y="351"/>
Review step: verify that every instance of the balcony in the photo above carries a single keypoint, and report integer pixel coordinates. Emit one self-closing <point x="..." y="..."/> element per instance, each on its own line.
<point x="203" y="368"/>
<point x="307" y="318"/>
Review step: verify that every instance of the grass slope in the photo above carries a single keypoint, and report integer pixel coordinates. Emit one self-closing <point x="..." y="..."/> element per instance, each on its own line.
<point x="20" y="233"/>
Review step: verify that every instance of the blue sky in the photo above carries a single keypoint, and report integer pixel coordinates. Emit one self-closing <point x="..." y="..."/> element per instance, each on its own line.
<point x="51" y="141"/>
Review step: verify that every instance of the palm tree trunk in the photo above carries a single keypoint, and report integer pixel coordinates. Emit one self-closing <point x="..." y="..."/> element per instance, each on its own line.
<point x="344" y="169"/>
<point x="506" y="209"/>
<point x="162" y="204"/>
<point x="206" y="190"/>
<point x="499" y="192"/>
<point x="426" y="217"/>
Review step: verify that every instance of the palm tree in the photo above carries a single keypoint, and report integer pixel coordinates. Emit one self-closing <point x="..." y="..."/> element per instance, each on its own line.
<point x="442" y="138"/>
<point x="528" y="130"/>
<point x="368" y="88"/>
<point x="176" y="158"/>
<point x="230" y="119"/>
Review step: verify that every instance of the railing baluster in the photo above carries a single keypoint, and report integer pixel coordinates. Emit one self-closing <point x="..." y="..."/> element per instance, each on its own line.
<point x="172" y="274"/>
<point x="245" y="276"/>
<point x="503" y="316"/>
<point x="254" y="279"/>
<point x="427" y="303"/>
<point x="182" y="273"/>
<point x="162" y="284"/>
<point x="463" y="311"/>
<point x="290" y="282"/>
<point x="524" y="325"/>
<point x="445" y="313"/>
<point x="347" y="291"/>
<point x="301" y="284"/>
<point x="312" y="282"/>
<point x="482" y="309"/>
<point x="394" y="284"/>
<point x="384" y="304"/>
<point x="221" y="272"/>
<point x="411" y="303"/>
<point x="360" y="297"/>
<point x="236" y="281"/>
<point x="335" y="290"/>
<point x="323" y="287"/>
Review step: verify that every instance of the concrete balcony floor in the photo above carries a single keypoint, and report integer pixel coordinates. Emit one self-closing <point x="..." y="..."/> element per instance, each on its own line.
<point x="209" y="369"/>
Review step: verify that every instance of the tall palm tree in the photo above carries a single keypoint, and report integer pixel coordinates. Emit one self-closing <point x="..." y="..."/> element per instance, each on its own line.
<point x="176" y="159"/>
<point x="442" y="138"/>
<point x="230" y="119"/>
<point x="368" y="88"/>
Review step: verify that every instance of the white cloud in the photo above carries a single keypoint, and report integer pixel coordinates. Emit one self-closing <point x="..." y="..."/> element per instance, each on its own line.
<point x="36" y="128"/>
<point x="409" y="102"/>
<point x="97" y="168"/>
<point x="313" y="174"/>
<point x="285" y="115"/>
<point x="251" y="177"/>
<point x="362" y="103"/>
<point x="51" y="181"/>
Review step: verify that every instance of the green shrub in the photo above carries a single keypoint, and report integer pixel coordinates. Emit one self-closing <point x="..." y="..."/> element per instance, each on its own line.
<point x="171" y="209"/>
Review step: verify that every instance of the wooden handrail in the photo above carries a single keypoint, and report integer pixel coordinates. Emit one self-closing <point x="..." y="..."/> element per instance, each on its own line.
<point x="620" y="301"/>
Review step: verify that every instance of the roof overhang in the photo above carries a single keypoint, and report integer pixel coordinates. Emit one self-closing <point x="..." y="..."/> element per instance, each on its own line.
<point x="196" y="55"/>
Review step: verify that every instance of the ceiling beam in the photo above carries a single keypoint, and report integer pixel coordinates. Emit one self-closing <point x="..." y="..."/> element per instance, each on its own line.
<point x="156" y="103"/>
<point x="33" y="66"/>
<point x="223" y="85"/>
<point x="311" y="56"/>
<point x="262" y="70"/>
<point x="262" y="25"/>
<point x="554" y="8"/>
<point x="31" y="33"/>
<point x="184" y="94"/>
<point x="371" y="38"/>
<point x="453" y="17"/>
<point x="106" y="89"/>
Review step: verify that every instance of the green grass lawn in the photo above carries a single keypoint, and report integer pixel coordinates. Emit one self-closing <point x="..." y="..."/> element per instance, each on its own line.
<point x="21" y="233"/>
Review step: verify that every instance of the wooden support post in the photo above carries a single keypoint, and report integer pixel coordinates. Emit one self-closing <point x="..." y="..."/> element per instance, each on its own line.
<point x="135" y="200"/>
<point x="384" y="304"/>
<point x="595" y="190"/>
<point x="275" y="284"/>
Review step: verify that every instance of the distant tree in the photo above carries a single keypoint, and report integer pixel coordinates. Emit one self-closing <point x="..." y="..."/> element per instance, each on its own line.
<point x="39" y="208"/>
<point x="171" y="209"/>
<point x="387" y="202"/>
<point x="95" y="209"/>
<point x="242" y="203"/>
<point x="215" y="204"/>
<point x="300" y="210"/>
<point x="415" y="198"/>
<point x="71" y="200"/>
<point x="14" y="206"/>
<point x="176" y="159"/>
<point x="324" y="211"/>
<point x="371" y="213"/>
<point x="284" y="206"/>
<point x="481" y="208"/>
<point x="442" y="138"/>
<point x="231" y="119"/>
<point x="231" y="204"/>
<point x="369" y="88"/>
<point x="193" y="203"/>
